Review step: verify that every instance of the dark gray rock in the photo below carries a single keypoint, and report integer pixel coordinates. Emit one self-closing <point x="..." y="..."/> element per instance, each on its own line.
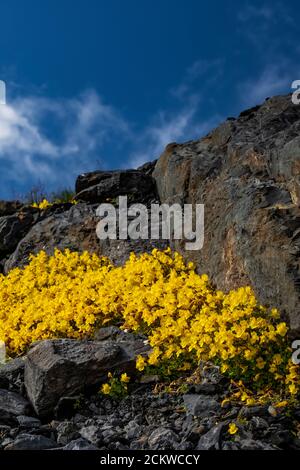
<point x="137" y="185"/>
<point x="4" y="382"/>
<point x="74" y="229"/>
<point x="212" y="439"/>
<point x="133" y="430"/>
<point x="251" y="444"/>
<point x="80" y="444"/>
<point x="201" y="405"/>
<point x="28" y="422"/>
<point x="148" y="167"/>
<point x="108" y="332"/>
<point x="31" y="442"/>
<point x="12" y="375"/>
<point x="162" y="439"/>
<point x="56" y="368"/>
<point x="250" y="411"/>
<point x="92" y="434"/>
<point x="11" y="406"/>
<point x="87" y="180"/>
<point x="66" y="432"/>
<point x="14" y="227"/>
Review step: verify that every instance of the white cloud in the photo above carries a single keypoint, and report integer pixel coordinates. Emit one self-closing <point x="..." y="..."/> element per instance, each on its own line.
<point x="28" y="149"/>
<point x="19" y="134"/>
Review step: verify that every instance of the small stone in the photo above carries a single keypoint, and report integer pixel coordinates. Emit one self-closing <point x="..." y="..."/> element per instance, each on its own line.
<point x="28" y="422"/>
<point x="251" y="444"/>
<point x="11" y="406"/>
<point x="133" y="430"/>
<point x="92" y="434"/>
<point x="12" y="374"/>
<point x="162" y="439"/>
<point x="80" y="444"/>
<point x="66" y="432"/>
<point x="30" y="442"/>
<point x="272" y="411"/>
<point x="200" y="405"/>
<point x="212" y="439"/>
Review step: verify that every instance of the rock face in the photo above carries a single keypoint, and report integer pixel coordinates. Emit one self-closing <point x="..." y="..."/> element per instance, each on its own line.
<point x="246" y="172"/>
<point x="57" y="368"/>
<point x="74" y="229"/>
<point x="14" y="227"/>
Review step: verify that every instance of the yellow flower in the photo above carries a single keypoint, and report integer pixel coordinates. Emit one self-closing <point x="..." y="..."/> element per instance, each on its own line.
<point x="125" y="378"/>
<point x="140" y="363"/>
<point x="224" y="368"/>
<point x="293" y="389"/>
<point x="249" y="354"/>
<point x="281" y="404"/>
<point x="282" y="329"/>
<point x="232" y="428"/>
<point x="260" y="363"/>
<point x="250" y="401"/>
<point x="106" y="388"/>
<point x="44" y="204"/>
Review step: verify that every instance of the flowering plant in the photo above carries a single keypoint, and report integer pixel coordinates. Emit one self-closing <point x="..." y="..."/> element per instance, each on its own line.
<point x="184" y="317"/>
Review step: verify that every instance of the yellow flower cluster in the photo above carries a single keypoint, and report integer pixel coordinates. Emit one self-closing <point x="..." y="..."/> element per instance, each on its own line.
<point x="185" y="319"/>
<point x="44" y="204"/>
<point x="232" y="428"/>
<point x="52" y="297"/>
<point x="116" y="387"/>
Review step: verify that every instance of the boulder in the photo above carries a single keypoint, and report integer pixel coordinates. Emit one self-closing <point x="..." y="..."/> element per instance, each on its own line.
<point x="101" y="186"/>
<point x="246" y="173"/>
<point x="137" y="185"/>
<point x="57" y="368"/>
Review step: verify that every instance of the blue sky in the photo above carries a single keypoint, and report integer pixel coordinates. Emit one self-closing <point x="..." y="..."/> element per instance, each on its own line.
<point x="100" y="84"/>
